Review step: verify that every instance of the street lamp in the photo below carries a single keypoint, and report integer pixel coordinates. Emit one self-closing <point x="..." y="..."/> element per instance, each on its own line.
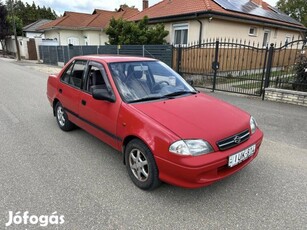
<point x="15" y="33"/>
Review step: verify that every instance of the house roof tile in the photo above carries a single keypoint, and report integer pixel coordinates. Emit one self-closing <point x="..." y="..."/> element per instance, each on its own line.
<point x="35" y="25"/>
<point x="177" y="8"/>
<point x="97" y="20"/>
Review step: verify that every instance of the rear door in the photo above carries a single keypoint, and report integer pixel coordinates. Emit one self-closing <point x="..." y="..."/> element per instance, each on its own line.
<point x="70" y="87"/>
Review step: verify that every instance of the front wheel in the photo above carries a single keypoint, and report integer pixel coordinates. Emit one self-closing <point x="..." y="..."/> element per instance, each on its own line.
<point x="141" y="165"/>
<point x="62" y="118"/>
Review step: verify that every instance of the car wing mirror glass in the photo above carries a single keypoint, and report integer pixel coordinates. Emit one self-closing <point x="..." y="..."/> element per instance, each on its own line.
<point x="103" y="94"/>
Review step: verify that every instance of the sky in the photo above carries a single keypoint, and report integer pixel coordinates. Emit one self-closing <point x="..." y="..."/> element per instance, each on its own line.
<point x="88" y="6"/>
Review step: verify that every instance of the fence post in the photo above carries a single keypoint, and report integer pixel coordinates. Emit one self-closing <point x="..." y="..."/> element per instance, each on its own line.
<point x="263" y="71"/>
<point x="179" y="56"/>
<point x="268" y="69"/>
<point x="215" y="64"/>
<point x="143" y="51"/>
<point x="57" y="56"/>
<point x="118" y="48"/>
<point x="49" y="56"/>
<point x="68" y="53"/>
<point x="43" y="56"/>
<point x="64" y="60"/>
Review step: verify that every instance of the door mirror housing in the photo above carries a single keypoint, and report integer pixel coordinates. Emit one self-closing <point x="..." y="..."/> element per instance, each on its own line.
<point x="103" y="95"/>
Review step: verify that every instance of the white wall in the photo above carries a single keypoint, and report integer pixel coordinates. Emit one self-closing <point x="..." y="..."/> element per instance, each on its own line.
<point x="22" y="43"/>
<point x="23" y="47"/>
<point x="218" y="28"/>
<point x="89" y="37"/>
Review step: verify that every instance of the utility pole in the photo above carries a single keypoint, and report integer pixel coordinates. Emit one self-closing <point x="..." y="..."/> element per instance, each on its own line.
<point x="15" y="33"/>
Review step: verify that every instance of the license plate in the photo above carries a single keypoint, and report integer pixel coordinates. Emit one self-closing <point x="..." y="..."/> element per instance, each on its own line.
<point x="241" y="156"/>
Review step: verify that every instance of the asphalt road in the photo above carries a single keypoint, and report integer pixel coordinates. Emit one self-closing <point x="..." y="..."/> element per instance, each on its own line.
<point x="45" y="170"/>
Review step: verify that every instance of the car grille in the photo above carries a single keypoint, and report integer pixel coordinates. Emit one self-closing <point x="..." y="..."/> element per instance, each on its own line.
<point x="234" y="140"/>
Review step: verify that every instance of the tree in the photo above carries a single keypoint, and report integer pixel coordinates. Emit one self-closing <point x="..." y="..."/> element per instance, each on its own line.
<point x="122" y="32"/>
<point x="18" y="24"/>
<point x="27" y="14"/>
<point x="296" y="9"/>
<point x="4" y="26"/>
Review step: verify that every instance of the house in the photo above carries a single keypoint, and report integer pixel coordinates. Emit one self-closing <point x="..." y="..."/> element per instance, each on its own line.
<point x="84" y="29"/>
<point x="198" y="20"/>
<point x="33" y="31"/>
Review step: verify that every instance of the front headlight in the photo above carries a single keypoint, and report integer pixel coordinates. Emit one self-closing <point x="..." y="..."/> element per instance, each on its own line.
<point x="191" y="147"/>
<point x="253" y="124"/>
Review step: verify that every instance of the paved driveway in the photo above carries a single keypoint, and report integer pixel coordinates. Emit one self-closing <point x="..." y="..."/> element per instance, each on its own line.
<point x="44" y="170"/>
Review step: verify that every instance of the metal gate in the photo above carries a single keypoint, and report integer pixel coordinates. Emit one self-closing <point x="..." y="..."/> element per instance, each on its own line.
<point x="287" y="69"/>
<point x="32" y="49"/>
<point x="232" y="66"/>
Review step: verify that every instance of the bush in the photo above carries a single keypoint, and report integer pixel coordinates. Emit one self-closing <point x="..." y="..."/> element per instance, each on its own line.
<point x="300" y="82"/>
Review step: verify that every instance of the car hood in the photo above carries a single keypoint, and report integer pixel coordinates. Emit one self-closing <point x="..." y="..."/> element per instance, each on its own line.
<point x="197" y="116"/>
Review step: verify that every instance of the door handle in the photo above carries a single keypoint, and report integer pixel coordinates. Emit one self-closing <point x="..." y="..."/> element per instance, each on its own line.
<point x="60" y="90"/>
<point x="83" y="102"/>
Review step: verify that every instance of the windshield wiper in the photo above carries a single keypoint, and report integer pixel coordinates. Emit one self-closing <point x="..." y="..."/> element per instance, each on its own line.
<point x="178" y="93"/>
<point x="170" y="95"/>
<point x="146" y="99"/>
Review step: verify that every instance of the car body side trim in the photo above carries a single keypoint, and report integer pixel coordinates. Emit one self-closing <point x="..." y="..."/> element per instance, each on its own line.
<point x="95" y="126"/>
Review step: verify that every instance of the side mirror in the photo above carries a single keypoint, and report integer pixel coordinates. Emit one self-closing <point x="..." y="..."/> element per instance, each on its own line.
<point x="103" y="95"/>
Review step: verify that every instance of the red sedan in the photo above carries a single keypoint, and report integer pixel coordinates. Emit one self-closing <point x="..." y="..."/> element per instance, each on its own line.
<point x="166" y="130"/>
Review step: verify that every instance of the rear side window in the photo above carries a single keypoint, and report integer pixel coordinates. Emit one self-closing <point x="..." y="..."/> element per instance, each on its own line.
<point x="74" y="73"/>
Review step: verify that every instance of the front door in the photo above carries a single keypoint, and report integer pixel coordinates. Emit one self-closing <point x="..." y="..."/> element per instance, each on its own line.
<point x="99" y="117"/>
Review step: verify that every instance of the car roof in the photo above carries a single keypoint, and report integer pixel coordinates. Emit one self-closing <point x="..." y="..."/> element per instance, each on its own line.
<point x="113" y="58"/>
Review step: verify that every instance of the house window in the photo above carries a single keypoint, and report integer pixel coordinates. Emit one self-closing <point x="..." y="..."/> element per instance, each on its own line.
<point x="266" y="38"/>
<point x="288" y="40"/>
<point x="180" y="34"/>
<point x="253" y="31"/>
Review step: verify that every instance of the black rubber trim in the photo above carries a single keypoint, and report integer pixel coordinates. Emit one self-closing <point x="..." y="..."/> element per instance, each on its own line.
<point x="94" y="126"/>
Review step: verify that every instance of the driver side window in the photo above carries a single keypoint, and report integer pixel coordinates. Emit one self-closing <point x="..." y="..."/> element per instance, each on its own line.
<point x="96" y="78"/>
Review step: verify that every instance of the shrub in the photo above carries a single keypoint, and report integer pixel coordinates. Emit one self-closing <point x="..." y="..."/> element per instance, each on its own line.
<point x="300" y="82"/>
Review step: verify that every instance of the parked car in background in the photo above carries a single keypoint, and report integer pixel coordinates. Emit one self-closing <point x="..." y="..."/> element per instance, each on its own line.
<point x="166" y="130"/>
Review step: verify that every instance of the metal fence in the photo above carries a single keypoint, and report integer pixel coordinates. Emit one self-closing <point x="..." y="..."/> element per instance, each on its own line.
<point x="52" y="55"/>
<point x="243" y="67"/>
<point x="226" y="65"/>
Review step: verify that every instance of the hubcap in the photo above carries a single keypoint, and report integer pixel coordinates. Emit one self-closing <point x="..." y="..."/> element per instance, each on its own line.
<point x="60" y="115"/>
<point x="138" y="164"/>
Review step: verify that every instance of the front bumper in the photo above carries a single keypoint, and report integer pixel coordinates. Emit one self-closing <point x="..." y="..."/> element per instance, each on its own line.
<point x="195" y="172"/>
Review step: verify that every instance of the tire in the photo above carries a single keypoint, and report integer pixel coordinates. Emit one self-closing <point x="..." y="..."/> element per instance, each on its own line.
<point x="62" y="118"/>
<point x="141" y="165"/>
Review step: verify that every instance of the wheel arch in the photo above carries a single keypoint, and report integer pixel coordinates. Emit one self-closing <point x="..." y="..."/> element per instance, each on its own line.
<point x="126" y="141"/>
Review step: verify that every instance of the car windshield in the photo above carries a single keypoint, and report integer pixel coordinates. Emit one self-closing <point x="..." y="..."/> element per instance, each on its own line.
<point x="148" y="80"/>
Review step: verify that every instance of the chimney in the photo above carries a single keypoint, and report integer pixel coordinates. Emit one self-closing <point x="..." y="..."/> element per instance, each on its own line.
<point x="145" y="4"/>
<point x="257" y="2"/>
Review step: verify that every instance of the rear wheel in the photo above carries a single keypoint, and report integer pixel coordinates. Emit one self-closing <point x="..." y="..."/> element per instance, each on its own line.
<point x="141" y="165"/>
<point x="62" y="118"/>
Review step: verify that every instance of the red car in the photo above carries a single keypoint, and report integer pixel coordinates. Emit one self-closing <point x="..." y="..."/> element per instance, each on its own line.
<point x="166" y="130"/>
